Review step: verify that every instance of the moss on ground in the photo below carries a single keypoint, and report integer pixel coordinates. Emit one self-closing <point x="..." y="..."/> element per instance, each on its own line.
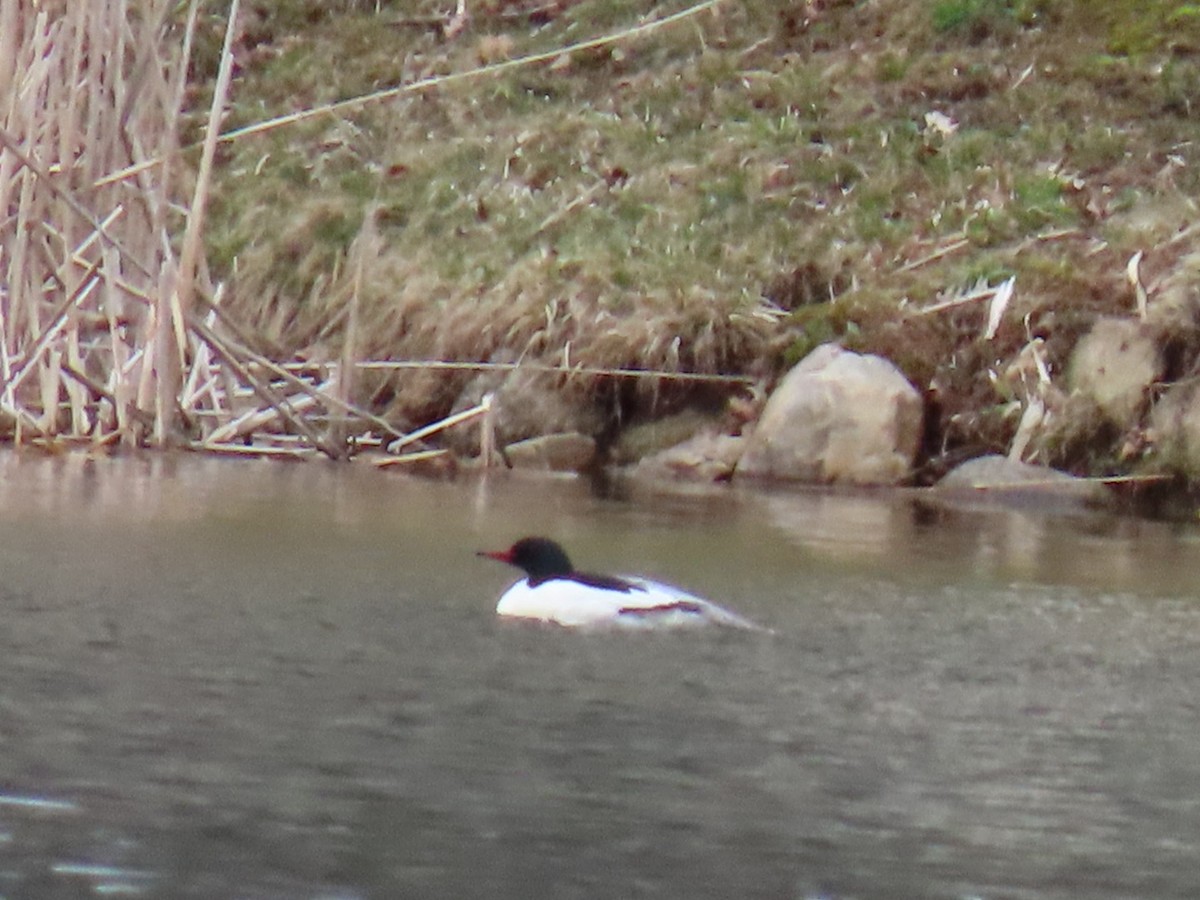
<point x="719" y="195"/>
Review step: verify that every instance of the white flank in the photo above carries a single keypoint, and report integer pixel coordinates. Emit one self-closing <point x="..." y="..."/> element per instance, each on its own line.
<point x="571" y="604"/>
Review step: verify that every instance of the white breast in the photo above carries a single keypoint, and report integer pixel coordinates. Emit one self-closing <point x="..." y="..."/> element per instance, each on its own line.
<point x="650" y="604"/>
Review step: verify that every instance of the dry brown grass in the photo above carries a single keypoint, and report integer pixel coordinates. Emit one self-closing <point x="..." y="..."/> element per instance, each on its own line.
<point x="102" y="339"/>
<point x="550" y="263"/>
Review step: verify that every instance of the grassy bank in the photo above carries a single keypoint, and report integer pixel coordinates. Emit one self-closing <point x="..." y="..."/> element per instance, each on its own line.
<point x="716" y="196"/>
<point x="592" y="185"/>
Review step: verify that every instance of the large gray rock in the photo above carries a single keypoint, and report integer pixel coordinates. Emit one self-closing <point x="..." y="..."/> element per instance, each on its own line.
<point x="837" y="417"/>
<point x="1175" y="428"/>
<point x="1113" y="366"/>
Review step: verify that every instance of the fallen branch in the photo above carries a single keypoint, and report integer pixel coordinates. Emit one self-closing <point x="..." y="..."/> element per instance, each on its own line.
<point x="239" y="342"/>
<point x="409" y="458"/>
<point x="952" y="247"/>
<point x="264" y="391"/>
<point x="583" y="199"/>
<point x="441" y="425"/>
<point x="57" y="323"/>
<point x="244" y="450"/>
<point x="1051" y="485"/>
<point x="255" y="419"/>
<point x="972" y="296"/>
<point x="143" y="417"/>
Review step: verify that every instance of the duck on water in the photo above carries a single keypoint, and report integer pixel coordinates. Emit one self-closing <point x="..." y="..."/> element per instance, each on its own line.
<point x="553" y="591"/>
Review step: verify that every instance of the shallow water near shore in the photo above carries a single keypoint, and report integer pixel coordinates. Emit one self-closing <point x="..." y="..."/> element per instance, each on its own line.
<point x="225" y="678"/>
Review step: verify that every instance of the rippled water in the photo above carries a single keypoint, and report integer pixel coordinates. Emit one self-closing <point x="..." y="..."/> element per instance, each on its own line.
<point x="253" y="680"/>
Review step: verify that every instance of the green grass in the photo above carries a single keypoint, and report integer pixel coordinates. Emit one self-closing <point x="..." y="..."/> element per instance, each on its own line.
<point x="637" y="201"/>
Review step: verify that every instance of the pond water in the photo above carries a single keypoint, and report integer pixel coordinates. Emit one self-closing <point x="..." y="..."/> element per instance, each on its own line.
<point x="260" y="680"/>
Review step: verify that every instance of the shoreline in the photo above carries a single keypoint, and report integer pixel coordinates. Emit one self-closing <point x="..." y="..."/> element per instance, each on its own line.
<point x="647" y="222"/>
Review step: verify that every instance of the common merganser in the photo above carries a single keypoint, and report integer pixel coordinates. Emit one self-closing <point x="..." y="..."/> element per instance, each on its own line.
<point x="556" y="593"/>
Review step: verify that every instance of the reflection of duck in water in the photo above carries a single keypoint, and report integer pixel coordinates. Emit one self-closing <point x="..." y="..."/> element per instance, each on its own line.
<point x="555" y="592"/>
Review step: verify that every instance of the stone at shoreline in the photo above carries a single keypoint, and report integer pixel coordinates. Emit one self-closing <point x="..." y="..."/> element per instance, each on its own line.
<point x="525" y="404"/>
<point x="1000" y="478"/>
<point x="837" y="417"/>
<point x="1175" y="429"/>
<point x="1113" y="366"/>
<point x="704" y="457"/>
<point x="569" y="452"/>
<point x="648" y="439"/>
<point x="1175" y="307"/>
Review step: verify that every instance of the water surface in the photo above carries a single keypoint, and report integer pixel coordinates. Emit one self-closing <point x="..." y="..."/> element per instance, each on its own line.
<point x="253" y="680"/>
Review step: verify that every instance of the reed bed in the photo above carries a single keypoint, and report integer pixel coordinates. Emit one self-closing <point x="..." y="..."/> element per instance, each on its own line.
<point x="110" y="329"/>
<point x="94" y="333"/>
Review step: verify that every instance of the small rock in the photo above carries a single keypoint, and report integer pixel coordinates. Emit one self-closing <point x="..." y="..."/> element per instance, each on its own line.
<point x="647" y="439"/>
<point x="526" y="403"/>
<point x="1113" y="366"/>
<point x="1008" y="479"/>
<point x="569" y="452"/>
<point x="837" y="417"/>
<point x="704" y="457"/>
